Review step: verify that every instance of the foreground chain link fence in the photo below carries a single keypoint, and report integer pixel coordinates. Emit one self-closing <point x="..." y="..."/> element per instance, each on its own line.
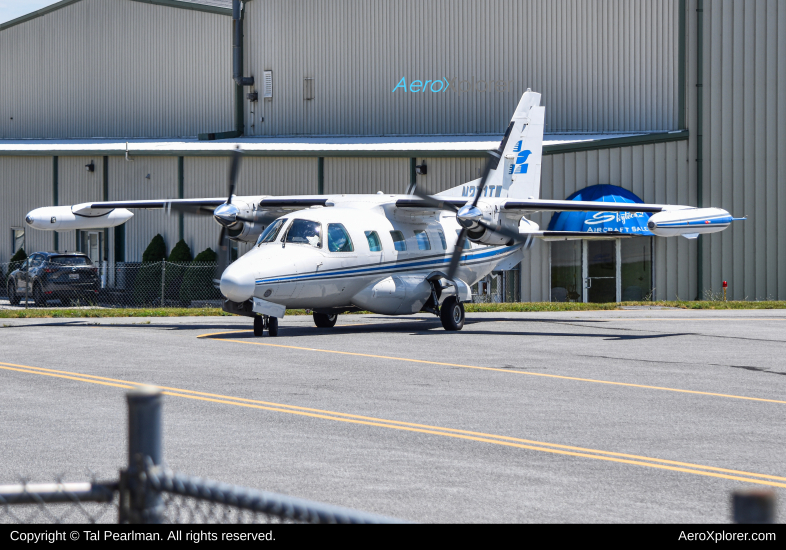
<point x="149" y="493"/>
<point x="74" y="281"/>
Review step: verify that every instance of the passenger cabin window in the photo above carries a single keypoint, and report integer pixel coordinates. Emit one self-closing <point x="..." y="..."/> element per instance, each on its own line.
<point x="271" y="232"/>
<point x="467" y="244"/>
<point x="422" y="237"/>
<point x="374" y="244"/>
<point x="442" y="240"/>
<point x="338" y="239"/>
<point x="305" y="232"/>
<point x="399" y="243"/>
<point x="36" y="260"/>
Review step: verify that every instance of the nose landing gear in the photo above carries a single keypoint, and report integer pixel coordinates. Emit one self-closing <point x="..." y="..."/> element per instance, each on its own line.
<point x="263" y="323"/>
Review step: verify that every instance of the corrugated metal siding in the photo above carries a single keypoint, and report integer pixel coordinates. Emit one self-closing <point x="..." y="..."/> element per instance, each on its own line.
<point x="366" y="175"/>
<point x="601" y="65"/>
<point x="27" y="184"/>
<point x="444" y="173"/>
<point x="76" y="185"/>
<point x="657" y="173"/>
<point x="116" y="68"/>
<point x="745" y="145"/>
<point x="127" y="181"/>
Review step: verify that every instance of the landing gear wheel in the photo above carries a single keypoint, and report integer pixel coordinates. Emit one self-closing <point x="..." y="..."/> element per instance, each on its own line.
<point x="452" y="314"/>
<point x="259" y="325"/>
<point x="38" y="296"/>
<point x="13" y="297"/>
<point x="323" y="320"/>
<point x="272" y="326"/>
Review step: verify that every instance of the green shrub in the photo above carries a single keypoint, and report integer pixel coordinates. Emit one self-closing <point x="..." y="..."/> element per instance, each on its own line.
<point x="181" y="253"/>
<point x="198" y="279"/>
<point x="155" y="251"/>
<point x="177" y="265"/>
<point x="147" y="284"/>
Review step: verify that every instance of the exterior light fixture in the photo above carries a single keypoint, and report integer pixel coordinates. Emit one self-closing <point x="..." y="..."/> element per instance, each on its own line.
<point x="90" y="167"/>
<point x="421" y="169"/>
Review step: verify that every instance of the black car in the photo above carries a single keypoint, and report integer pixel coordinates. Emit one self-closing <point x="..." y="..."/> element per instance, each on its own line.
<point x="53" y="275"/>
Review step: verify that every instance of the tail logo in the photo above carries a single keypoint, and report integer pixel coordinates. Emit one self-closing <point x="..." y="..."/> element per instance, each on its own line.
<point x="520" y="166"/>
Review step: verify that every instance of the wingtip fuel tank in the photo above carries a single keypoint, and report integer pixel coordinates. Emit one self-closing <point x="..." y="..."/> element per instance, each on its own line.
<point x="689" y="221"/>
<point x="80" y="216"/>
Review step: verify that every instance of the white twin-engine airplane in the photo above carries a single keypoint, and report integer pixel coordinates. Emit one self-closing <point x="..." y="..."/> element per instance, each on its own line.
<point x="389" y="254"/>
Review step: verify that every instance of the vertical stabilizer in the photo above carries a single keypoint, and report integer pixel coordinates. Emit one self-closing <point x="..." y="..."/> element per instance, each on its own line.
<point x="515" y="168"/>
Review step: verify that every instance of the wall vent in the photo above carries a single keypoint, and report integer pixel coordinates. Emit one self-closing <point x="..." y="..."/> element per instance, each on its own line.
<point x="268" y="89"/>
<point x="308" y="88"/>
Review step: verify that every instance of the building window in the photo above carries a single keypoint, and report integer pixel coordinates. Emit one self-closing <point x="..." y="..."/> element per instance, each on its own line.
<point x="17" y="239"/>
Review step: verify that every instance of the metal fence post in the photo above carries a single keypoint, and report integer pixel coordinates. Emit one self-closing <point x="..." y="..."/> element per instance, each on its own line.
<point x="163" y="281"/>
<point x="138" y="502"/>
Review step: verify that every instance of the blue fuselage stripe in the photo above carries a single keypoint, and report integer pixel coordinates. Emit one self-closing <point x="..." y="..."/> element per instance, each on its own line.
<point x="408" y="264"/>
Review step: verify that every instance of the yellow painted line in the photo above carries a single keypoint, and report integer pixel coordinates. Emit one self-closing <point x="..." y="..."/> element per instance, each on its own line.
<point x="507" y="371"/>
<point x="408" y="426"/>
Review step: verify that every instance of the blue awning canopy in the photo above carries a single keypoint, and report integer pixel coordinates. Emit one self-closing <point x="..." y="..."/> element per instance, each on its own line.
<point x="601" y="222"/>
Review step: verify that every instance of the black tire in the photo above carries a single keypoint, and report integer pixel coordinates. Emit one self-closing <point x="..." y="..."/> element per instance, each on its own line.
<point x="323" y="320"/>
<point x="38" y="296"/>
<point x="272" y="326"/>
<point x="259" y="325"/>
<point x="451" y="313"/>
<point x="13" y="297"/>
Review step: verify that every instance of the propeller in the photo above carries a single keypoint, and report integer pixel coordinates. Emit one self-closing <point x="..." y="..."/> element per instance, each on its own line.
<point x="469" y="217"/>
<point x="227" y="215"/>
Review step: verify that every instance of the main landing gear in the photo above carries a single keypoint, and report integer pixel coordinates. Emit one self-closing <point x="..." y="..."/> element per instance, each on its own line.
<point x="451" y="313"/>
<point x="263" y="323"/>
<point x="324" y="320"/>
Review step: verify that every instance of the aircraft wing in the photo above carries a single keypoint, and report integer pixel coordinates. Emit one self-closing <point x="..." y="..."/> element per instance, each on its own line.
<point x="206" y="206"/>
<point x="537" y="205"/>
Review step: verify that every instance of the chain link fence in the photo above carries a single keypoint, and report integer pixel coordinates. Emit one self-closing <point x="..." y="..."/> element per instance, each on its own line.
<point x="75" y="282"/>
<point x="149" y="493"/>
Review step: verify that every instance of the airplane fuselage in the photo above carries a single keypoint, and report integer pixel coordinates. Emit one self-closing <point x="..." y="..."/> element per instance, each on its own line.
<point x="382" y="268"/>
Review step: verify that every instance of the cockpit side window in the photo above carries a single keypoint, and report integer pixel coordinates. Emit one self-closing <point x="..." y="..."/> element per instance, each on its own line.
<point x="422" y="238"/>
<point x="399" y="243"/>
<point x="271" y="232"/>
<point x="305" y="232"/>
<point x="374" y="244"/>
<point x="338" y="239"/>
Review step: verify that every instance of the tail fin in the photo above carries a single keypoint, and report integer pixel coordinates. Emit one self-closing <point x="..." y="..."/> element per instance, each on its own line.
<point x="516" y="163"/>
<point x="522" y="156"/>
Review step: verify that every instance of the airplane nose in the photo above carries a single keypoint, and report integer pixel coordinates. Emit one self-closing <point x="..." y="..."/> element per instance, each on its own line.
<point x="237" y="282"/>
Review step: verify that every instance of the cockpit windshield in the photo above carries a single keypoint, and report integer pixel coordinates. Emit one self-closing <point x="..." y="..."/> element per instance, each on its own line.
<point x="271" y="232"/>
<point x="305" y="232"/>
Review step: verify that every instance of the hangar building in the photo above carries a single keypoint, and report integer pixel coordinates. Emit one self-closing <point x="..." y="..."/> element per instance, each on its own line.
<point x="678" y="101"/>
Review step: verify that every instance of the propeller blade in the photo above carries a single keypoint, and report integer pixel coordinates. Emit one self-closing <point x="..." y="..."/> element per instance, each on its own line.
<point x="222" y="260"/>
<point x="483" y="179"/>
<point x="234" y="169"/>
<point x="457" y="252"/>
<point x="433" y="201"/>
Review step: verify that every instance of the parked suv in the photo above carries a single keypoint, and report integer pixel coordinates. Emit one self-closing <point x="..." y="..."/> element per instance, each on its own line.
<point x="52" y="275"/>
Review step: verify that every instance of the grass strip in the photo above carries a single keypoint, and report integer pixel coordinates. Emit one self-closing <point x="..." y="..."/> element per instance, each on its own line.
<point x="38" y="313"/>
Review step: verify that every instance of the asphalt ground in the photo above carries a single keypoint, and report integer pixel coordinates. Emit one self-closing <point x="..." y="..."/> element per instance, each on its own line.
<point x="620" y="416"/>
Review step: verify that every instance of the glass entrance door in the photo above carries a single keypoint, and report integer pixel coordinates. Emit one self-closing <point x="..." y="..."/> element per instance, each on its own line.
<point x="600" y="278"/>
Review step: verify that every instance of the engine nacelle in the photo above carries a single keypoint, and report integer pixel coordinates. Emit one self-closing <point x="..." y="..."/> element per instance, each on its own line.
<point x="246" y="232"/>
<point x="689" y="221"/>
<point x="79" y="216"/>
